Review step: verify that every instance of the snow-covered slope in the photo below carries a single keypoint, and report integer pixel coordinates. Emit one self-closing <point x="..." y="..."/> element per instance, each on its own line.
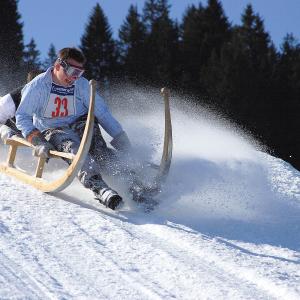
<point x="228" y="226"/>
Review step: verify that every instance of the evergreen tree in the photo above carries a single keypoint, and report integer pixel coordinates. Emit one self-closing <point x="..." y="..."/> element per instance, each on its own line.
<point x="216" y="27"/>
<point x="260" y="53"/>
<point x="243" y="78"/>
<point x="99" y="47"/>
<point x="161" y="43"/>
<point x="226" y="79"/>
<point x="132" y="36"/>
<point x="287" y="90"/>
<point x="290" y="64"/>
<point x="192" y="36"/>
<point x="32" y="56"/>
<point x="204" y="31"/>
<point x="11" y="44"/>
<point x="255" y="38"/>
<point x="52" y="56"/>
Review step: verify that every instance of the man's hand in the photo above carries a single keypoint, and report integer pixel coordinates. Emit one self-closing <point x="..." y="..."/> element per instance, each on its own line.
<point x="41" y="145"/>
<point x="125" y="152"/>
<point x="6" y="132"/>
<point x="121" y="142"/>
<point x="43" y="149"/>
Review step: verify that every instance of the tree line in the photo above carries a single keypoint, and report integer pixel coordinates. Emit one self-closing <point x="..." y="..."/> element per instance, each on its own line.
<point x="233" y="68"/>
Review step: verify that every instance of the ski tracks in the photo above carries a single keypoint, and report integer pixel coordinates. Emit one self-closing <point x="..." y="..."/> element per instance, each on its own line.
<point x="188" y="273"/>
<point x="255" y="275"/>
<point x="14" y="281"/>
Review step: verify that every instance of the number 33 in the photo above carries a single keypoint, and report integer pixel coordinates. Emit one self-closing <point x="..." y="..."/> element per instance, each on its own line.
<point x="60" y="104"/>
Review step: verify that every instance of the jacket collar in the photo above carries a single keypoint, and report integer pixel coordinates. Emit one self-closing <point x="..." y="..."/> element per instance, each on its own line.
<point x="48" y="76"/>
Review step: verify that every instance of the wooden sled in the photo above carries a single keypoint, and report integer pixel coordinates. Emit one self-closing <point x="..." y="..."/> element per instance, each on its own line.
<point x="77" y="160"/>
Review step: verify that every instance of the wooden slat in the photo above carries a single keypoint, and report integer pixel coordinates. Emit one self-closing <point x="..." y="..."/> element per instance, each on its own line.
<point x="11" y="155"/>
<point x="40" y="167"/>
<point x="18" y="141"/>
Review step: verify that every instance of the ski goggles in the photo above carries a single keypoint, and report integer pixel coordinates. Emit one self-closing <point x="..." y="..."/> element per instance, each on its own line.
<point x="70" y="71"/>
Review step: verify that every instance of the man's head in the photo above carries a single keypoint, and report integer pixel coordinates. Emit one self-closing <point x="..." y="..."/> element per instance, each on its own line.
<point x="69" y="66"/>
<point x="72" y="53"/>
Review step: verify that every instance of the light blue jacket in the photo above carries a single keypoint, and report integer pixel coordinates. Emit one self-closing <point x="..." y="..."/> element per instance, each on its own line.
<point x="35" y="95"/>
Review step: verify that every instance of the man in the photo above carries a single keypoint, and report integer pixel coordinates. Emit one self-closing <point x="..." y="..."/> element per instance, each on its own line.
<point x="8" y="106"/>
<point x="49" y="112"/>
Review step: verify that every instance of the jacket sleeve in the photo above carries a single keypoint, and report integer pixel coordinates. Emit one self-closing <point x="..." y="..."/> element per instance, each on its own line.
<point x="26" y="110"/>
<point x="104" y="116"/>
<point x="106" y="119"/>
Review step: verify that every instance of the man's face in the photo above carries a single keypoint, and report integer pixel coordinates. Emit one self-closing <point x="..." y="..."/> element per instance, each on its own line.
<point x="62" y="76"/>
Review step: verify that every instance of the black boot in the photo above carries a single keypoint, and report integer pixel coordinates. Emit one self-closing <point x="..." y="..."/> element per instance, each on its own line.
<point x="109" y="198"/>
<point x="102" y="192"/>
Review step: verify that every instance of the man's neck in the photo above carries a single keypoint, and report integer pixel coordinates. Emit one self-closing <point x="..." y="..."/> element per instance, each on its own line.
<point x="57" y="81"/>
<point x="54" y="78"/>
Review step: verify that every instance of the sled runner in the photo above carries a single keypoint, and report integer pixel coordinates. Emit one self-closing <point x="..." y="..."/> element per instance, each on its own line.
<point x="147" y="193"/>
<point x="168" y="140"/>
<point x="77" y="160"/>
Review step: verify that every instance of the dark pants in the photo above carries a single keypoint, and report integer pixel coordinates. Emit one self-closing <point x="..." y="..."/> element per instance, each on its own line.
<point x="65" y="139"/>
<point x="109" y="161"/>
<point x="101" y="159"/>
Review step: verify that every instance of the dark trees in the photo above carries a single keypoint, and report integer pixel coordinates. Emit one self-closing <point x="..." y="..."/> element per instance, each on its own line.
<point x="11" y="44"/>
<point x="99" y="47"/>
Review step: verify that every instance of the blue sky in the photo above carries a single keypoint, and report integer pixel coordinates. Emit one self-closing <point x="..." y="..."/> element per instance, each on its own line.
<point x="62" y="22"/>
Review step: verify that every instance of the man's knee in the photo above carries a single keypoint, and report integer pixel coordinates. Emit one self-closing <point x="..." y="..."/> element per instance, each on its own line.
<point x="64" y="140"/>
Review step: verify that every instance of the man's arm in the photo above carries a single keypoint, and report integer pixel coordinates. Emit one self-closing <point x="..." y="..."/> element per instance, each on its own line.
<point x="106" y="119"/>
<point x="121" y="142"/>
<point x="26" y="110"/>
<point x="120" y="139"/>
<point x="24" y="115"/>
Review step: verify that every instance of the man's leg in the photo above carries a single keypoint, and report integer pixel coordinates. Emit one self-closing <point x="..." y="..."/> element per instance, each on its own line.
<point x="121" y="165"/>
<point x="109" y="161"/>
<point x="106" y="157"/>
<point x="66" y="140"/>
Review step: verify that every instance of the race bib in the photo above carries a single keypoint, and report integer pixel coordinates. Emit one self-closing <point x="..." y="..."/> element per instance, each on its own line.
<point x="61" y="102"/>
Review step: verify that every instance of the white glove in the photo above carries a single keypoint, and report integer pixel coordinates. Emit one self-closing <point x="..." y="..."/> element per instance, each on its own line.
<point x="41" y="146"/>
<point x="121" y="142"/>
<point x="43" y="149"/>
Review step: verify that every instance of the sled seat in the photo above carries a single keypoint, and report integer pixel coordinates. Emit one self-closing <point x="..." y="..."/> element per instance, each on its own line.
<point x="16" y="142"/>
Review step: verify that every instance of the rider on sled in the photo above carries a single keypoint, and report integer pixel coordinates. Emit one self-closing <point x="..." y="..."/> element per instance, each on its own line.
<point x="52" y="114"/>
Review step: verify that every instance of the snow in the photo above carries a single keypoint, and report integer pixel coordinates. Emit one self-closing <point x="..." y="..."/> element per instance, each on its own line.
<point x="227" y="226"/>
